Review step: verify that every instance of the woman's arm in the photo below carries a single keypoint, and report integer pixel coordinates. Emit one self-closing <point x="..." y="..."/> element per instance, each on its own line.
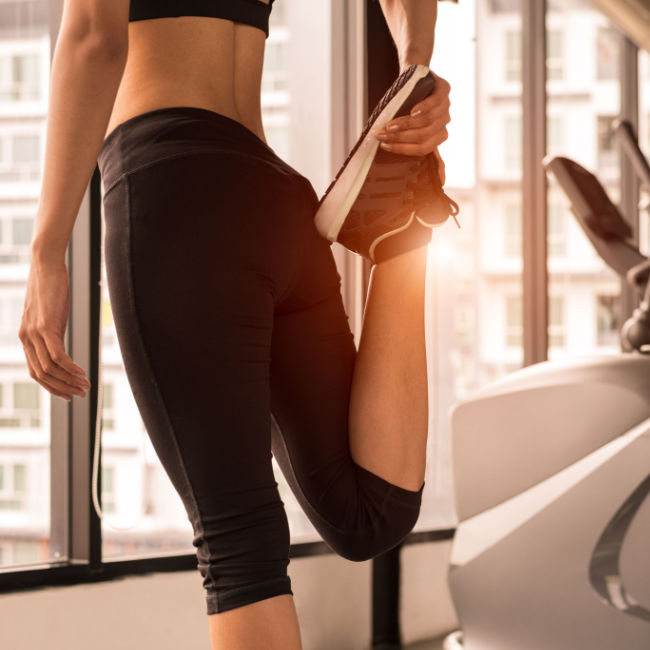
<point x="87" y="66"/>
<point x="412" y="25"/>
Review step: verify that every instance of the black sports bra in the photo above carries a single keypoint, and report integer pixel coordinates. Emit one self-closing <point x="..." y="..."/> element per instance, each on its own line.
<point x="251" y="12"/>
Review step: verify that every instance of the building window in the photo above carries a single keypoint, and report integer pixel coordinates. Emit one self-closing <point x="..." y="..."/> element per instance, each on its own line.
<point x="11" y="309"/>
<point x="555" y="55"/>
<point x="20" y="77"/>
<point x="108" y="488"/>
<point x="554" y="133"/>
<point x="513" y="143"/>
<point x="505" y="6"/>
<point x="557" y="244"/>
<point x="514" y="321"/>
<point x="607" y="320"/>
<point x="148" y="493"/>
<point x="513" y="233"/>
<point x="556" y="335"/>
<point x="607" y="152"/>
<point x="513" y="55"/>
<point x="607" y="41"/>
<point x="26" y="149"/>
<point x="108" y="406"/>
<point x="12" y="486"/>
<point x="26" y="410"/>
<point x="21" y="231"/>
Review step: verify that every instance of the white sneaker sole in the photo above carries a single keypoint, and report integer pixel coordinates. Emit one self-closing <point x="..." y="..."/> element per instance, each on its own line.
<point x="337" y="204"/>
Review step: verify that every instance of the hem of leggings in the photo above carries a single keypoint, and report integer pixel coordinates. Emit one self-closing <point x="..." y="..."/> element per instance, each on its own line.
<point x="403" y="496"/>
<point x="217" y="603"/>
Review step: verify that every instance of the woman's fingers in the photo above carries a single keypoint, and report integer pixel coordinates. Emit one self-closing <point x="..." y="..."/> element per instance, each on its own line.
<point x="429" y="136"/>
<point x="37" y="374"/>
<point x="59" y="364"/>
<point x="414" y="145"/>
<point x="51" y="372"/>
<point x="419" y="134"/>
<point x="65" y="368"/>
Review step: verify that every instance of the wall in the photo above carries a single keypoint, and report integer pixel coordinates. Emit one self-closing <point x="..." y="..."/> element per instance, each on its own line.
<point x="166" y="611"/>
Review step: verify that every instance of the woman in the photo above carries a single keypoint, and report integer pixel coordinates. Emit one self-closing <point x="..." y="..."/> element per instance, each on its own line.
<point x="226" y="300"/>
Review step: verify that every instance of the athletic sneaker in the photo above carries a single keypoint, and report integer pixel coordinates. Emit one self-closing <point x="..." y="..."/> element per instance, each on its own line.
<point x="383" y="203"/>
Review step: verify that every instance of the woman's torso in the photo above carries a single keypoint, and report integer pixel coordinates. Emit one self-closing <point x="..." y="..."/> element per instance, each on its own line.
<point x="200" y="61"/>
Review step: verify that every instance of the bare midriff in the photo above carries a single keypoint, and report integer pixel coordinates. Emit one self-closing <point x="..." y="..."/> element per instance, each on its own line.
<point x="200" y="61"/>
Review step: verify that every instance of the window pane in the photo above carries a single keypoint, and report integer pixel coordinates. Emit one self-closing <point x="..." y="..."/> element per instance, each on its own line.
<point x="26" y="148"/>
<point x="474" y="284"/>
<point x="26" y="395"/>
<point x="513" y="55"/>
<point x="25" y="405"/>
<point x="21" y="231"/>
<point x="607" y="39"/>
<point x="578" y="278"/>
<point x="19" y="477"/>
<point x="644" y="144"/>
<point x="555" y="53"/>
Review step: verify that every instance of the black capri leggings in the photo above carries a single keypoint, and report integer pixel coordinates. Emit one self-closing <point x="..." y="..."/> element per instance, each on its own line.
<point x="228" y="312"/>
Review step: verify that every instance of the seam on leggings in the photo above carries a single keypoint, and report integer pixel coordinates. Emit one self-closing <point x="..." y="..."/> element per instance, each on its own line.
<point x="165" y="413"/>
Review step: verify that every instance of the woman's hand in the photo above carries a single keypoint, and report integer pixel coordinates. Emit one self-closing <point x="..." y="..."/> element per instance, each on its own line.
<point x="420" y="133"/>
<point x="42" y="328"/>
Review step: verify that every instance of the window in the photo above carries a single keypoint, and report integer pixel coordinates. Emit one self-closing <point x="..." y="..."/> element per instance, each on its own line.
<point x="108" y="488"/>
<point x="555" y="55"/>
<point x="513" y="232"/>
<point x="20" y="74"/>
<point x="108" y="406"/>
<point x="608" y="322"/>
<point x="556" y="230"/>
<point x="26" y="149"/>
<point x="607" y="43"/>
<point x="556" y="334"/>
<point x="513" y="55"/>
<point x="504" y="6"/>
<point x="25" y="407"/>
<point x="555" y="133"/>
<point x="607" y="148"/>
<point x="21" y="231"/>
<point x="12" y="486"/>
<point x="513" y="142"/>
<point x="577" y="275"/>
<point x="26" y="68"/>
<point x="514" y="321"/>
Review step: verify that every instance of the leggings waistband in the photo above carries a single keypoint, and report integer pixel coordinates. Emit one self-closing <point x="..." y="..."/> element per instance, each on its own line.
<point x="173" y="130"/>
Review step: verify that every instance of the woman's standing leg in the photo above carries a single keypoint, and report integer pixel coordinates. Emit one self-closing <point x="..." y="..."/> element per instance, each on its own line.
<point x="192" y="283"/>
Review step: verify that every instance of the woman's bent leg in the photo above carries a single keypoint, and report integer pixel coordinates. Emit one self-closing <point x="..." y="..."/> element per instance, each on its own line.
<point x="360" y="508"/>
<point x="389" y="396"/>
